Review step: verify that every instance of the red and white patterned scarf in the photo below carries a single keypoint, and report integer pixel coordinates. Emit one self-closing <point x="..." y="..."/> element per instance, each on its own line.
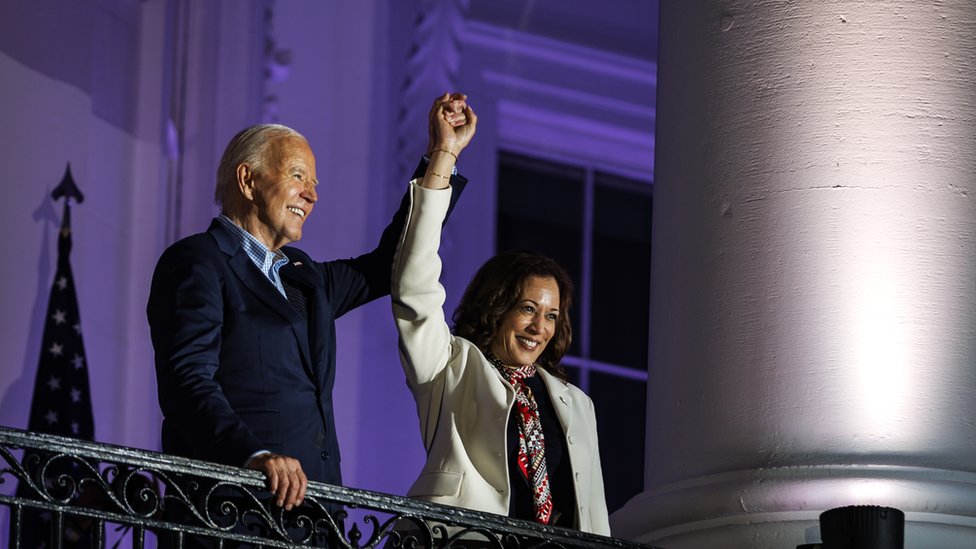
<point x="532" y="443"/>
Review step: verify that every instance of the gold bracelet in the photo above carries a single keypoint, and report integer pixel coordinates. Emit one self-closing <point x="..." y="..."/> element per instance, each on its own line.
<point x="448" y="152"/>
<point x="435" y="174"/>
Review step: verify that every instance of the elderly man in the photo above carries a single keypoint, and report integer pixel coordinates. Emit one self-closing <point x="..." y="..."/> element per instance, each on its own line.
<point x="243" y="326"/>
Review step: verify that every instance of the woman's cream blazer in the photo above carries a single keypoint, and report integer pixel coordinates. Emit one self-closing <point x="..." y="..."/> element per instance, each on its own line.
<point x="462" y="401"/>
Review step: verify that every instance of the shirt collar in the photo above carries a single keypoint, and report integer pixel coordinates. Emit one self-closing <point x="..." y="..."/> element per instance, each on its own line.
<point x="264" y="259"/>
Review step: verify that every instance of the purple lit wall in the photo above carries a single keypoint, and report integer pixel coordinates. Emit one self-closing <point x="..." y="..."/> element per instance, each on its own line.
<point x="70" y="78"/>
<point x="141" y="96"/>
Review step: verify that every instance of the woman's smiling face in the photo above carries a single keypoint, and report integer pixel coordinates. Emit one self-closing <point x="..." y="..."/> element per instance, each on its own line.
<point x="526" y="328"/>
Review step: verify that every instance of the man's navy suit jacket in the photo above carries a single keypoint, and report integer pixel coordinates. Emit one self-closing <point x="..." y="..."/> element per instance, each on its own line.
<point x="238" y="368"/>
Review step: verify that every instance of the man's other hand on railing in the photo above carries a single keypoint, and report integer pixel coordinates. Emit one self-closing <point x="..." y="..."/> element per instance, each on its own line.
<point x="284" y="477"/>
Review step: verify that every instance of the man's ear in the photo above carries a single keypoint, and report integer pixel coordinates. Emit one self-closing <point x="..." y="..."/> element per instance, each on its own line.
<point x="245" y="181"/>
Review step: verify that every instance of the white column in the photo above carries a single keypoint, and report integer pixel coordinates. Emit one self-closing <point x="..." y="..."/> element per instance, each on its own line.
<point x="814" y="268"/>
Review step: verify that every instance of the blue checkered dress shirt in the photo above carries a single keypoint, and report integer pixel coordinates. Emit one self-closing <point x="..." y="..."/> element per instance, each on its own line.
<point x="265" y="260"/>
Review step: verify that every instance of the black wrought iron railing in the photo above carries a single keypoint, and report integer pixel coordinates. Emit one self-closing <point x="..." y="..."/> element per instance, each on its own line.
<point x="63" y="492"/>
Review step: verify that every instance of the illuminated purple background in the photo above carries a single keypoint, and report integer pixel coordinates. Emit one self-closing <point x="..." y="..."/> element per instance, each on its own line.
<point x="115" y="87"/>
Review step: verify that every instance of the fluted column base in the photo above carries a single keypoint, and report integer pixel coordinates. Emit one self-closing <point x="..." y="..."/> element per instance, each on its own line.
<point x="779" y="508"/>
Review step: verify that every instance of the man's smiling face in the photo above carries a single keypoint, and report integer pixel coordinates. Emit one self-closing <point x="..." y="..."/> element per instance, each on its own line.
<point x="282" y="193"/>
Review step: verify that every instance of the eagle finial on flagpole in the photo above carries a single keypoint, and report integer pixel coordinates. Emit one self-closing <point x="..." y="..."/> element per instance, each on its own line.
<point x="67" y="188"/>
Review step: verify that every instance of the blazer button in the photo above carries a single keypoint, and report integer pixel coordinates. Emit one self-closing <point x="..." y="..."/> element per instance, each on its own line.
<point x="571" y="439"/>
<point x="324" y="455"/>
<point x="563" y="400"/>
<point x="577" y="477"/>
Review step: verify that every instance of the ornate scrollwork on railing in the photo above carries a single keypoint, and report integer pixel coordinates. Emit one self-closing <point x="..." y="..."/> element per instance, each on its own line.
<point x="177" y="498"/>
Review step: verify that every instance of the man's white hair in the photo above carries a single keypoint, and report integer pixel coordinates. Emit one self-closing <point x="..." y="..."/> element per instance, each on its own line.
<point x="249" y="146"/>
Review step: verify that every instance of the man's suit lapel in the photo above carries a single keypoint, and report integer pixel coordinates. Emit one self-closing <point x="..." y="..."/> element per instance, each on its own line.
<point x="297" y="273"/>
<point x="252" y="278"/>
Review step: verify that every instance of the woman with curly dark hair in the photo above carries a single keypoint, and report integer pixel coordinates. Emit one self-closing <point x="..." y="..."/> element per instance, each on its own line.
<point x="498" y="287"/>
<point x="504" y="430"/>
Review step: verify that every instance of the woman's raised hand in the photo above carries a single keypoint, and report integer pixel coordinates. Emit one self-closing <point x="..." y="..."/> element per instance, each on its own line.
<point x="452" y="124"/>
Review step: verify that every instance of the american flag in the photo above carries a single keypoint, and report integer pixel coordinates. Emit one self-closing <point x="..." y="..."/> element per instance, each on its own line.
<point x="61" y="403"/>
<point x="62" y="399"/>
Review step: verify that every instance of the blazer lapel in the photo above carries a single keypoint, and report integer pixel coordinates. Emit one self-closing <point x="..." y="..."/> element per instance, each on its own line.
<point x="298" y="273"/>
<point x="259" y="285"/>
<point x="302" y="276"/>
<point x="562" y="400"/>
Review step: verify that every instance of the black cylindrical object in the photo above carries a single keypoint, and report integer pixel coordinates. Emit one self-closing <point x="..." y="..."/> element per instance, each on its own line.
<point x="862" y="527"/>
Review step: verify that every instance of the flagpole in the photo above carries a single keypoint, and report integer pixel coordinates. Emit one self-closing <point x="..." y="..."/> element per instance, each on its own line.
<point x="61" y="403"/>
<point x="62" y="398"/>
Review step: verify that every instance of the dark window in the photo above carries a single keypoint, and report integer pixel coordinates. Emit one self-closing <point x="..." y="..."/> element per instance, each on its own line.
<point x="598" y="226"/>
<point x="530" y="219"/>
<point x="621" y="267"/>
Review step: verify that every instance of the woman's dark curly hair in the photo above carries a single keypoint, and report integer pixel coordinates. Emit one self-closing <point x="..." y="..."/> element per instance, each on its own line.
<point x="497" y="287"/>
